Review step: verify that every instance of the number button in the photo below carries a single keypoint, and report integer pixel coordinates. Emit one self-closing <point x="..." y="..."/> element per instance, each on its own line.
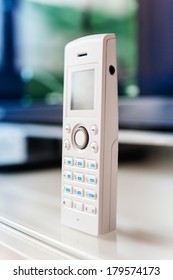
<point x="68" y="161"/>
<point x="68" y="202"/>
<point x="79" y="192"/>
<point x="78" y="177"/>
<point x="68" y="175"/>
<point x="78" y="205"/>
<point x="91" y="164"/>
<point x="68" y="189"/>
<point x="90" y="209"/>
<point x="91" y="179"/>
<point x="79" y="162"/>
<point x="90" y="194"/>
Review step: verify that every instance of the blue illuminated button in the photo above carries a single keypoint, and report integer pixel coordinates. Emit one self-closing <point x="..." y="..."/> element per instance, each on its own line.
<point x="68" y="175"/>
<point x="68" y="189"/>
<point x="79" y="162"/>
<point x="79" y="192"/>
<point x="90" y="194"/>
<point x="78" y="177"/>
<point x="68" y="161"/>
<point x="91" y="179"/>
<point x="91" y="164"/>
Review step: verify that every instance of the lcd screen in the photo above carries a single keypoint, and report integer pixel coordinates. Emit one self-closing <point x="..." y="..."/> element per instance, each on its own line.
<point x="82" y="90"/>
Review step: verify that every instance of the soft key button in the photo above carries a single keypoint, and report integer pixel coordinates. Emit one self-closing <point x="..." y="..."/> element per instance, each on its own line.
<point x="68" y="189"/>
<point x="78" y="177"/>
<point x="90" y="209"/>
<point x="91" y="164"/>
<point x="67" y="144"/>
<point x="68" y="175"/>
<point x="79" y="162"/>
<point x="67" y="128"/>
<point x="90" y="194"/>
<point x="67" y="202"/>
<point x="79" y="192"/>
<point x="68" y="161"/>
<point x="91" y="179"/>
<point x="78" y="205"/>
<point x="94" y="147"/>
<point x="94" y="129"/>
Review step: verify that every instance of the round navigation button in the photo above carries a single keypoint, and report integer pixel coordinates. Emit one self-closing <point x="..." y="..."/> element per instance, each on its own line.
<point x="81" y="137"/>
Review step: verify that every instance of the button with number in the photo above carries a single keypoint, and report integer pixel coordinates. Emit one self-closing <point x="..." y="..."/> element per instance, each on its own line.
<point x="67" y="144"/>
<point x="67" y="202"/>
<point x="78" y="177"/>
<point x="91" y="164"/>
<point x="91" y="179"/>
<point x="68" y="175"/>
<point x="68" y="161"/>
<point x="94" y="147"/>
<point x="79" y="192"/>
<point x="90" y="209"/>
<point x="68" y="189"/>
<point x="79" y="162"/>
<point x="90" y="194"/>
<point x="78" y="205"/>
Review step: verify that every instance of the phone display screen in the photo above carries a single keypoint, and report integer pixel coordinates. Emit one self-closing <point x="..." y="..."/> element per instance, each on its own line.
<point x="82" y="90"/>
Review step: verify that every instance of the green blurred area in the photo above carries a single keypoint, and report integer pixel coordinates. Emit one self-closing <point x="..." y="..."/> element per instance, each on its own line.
<point x="51" y="27"/>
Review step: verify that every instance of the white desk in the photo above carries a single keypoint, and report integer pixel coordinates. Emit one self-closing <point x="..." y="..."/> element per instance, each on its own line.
<point x="30" y="215"/>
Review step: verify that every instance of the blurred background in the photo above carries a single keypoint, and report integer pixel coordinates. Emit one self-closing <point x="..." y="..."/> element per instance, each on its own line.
<point x="33" y="34"/>
<point x="40" y="31"/>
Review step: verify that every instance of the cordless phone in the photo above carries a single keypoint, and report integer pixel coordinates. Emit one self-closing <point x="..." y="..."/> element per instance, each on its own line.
<point x="90" y="135"/>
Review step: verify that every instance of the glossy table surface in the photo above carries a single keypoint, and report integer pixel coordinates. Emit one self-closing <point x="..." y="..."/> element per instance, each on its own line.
<point x="30" y="214"/>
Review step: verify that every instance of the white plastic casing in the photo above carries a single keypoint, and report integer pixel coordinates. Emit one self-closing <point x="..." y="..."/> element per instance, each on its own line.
<point x="91" y="208"/>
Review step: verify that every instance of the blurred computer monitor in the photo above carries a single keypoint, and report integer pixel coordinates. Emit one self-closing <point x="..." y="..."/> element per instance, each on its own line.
<point x="33" y="34"/>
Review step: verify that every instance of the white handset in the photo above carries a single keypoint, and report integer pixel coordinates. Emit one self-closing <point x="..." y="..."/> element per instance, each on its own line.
<point x="90" y="135"/>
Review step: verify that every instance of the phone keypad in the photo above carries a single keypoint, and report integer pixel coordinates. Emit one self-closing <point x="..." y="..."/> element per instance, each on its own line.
<point x="79" y="185"/>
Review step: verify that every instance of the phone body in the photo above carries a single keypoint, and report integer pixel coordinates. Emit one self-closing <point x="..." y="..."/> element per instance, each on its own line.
<point x="90" y="135"/>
